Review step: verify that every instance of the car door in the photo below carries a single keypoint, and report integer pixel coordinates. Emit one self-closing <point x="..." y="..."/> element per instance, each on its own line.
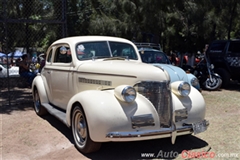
<point x="61" y="78"/>
<point x="46" y="76"/>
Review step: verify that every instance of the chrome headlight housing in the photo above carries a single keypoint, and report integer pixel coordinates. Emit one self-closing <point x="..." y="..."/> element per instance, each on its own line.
<point x="212" y="66"/>
<point x="184" y="88"/>
<point x="194" y="81"/>
<point x="181" y="88"/>
<point x="125" y="93"/>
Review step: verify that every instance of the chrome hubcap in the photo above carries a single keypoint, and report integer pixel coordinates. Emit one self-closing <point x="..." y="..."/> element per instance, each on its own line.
<point x="80" y="128"/>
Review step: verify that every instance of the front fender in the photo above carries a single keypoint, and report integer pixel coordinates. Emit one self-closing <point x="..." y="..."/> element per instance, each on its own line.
<point x="105" y="113"/>
<point x="38" y="83"/>
<point x="216" y="75"/>
<point x="194" y="103"/>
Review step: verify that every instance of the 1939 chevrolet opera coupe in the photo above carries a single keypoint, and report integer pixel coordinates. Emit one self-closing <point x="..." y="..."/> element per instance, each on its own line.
<point x="99" y="87"/>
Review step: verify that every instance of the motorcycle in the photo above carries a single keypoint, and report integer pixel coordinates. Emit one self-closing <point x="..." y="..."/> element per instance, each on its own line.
<point x="204" y="71"/>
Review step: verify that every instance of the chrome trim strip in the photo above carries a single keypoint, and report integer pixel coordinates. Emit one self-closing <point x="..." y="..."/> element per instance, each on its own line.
<point x="106" y="74"/>
<point x="62" y="70"/>
<point x="95" y="81"/>
<point x="142" y="121"/>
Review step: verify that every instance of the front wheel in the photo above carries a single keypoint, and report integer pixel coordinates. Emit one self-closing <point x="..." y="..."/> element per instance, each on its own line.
<point x="213" y="85"/>
<point x="80" y="132"/>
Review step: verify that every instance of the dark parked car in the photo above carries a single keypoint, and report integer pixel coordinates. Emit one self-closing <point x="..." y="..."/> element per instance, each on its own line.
<point x="225" y="56"/>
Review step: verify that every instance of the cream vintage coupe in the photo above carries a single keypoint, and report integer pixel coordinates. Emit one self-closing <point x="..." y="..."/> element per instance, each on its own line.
<point x="99" y="87"/>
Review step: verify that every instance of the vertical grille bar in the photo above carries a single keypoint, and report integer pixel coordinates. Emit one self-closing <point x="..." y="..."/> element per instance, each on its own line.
<point x="159" y="94"/>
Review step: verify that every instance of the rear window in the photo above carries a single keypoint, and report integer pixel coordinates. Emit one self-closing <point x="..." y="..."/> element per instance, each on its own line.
<point x="217" y="47"/>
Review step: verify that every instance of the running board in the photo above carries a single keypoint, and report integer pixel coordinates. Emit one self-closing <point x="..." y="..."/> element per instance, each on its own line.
<point x="56" y="112"/>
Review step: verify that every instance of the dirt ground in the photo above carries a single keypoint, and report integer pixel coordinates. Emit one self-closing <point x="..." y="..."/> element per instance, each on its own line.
<point x="26" y="136"/>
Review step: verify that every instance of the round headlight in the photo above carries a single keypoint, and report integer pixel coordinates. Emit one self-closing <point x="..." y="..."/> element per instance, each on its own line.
<point x="184" y="88"/>
<point x="129" y="94"/>
<point x="194" y="81"/>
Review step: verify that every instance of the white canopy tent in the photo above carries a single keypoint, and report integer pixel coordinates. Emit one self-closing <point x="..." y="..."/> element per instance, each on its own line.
<point x="17" y="53"/>
<point x="2" y="55"/>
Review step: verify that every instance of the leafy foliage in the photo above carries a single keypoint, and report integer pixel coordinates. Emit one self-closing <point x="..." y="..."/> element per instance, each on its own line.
<point x="182" y="25"/>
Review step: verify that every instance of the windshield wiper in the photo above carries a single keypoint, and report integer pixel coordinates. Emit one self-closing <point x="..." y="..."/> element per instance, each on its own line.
<point x="117" y="58"/>
<point x="98" y="57"/>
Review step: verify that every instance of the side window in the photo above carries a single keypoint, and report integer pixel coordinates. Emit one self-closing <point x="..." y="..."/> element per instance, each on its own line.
<point x="218" y="47"/>
<point x="49" y="58"/>
<point x="63" y="55"/>
<point x="146" y="57"/>
<point x="122" y="50"/>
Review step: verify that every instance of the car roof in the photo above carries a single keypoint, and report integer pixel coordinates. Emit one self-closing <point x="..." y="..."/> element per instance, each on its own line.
<point x="77" y="39"/>
<point x="148" y="45"/>
<point x="149" y="49"/>
<point x="226" y="40"/>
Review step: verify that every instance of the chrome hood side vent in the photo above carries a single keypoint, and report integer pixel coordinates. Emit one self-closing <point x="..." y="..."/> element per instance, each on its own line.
<point x="159" y="94"/>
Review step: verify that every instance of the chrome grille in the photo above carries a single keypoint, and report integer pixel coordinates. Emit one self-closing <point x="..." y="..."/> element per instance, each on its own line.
<point x="159" y="94"/>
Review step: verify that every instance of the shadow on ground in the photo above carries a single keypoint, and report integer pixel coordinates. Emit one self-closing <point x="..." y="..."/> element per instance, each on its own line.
<point x="60" y="127"/>
<point x="15" y="99"/>
<point x="233" y="86"/>
<point x="162" y="148"/>
<point x="19" y="106"/>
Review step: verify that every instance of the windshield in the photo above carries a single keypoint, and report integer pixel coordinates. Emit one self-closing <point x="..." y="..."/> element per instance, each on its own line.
<point x="217" y="47"/>
<point x="154" y="57"/>
<point x="104" y="49"/>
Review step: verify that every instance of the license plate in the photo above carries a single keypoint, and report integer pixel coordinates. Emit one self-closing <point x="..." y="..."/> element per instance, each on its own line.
<point x="200" y="127"/>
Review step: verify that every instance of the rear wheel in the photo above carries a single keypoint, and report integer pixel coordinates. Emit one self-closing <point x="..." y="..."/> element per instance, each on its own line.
<point x="225" y="76"/>
<point x="80" y="132"/>
<point x="39" y="109"/>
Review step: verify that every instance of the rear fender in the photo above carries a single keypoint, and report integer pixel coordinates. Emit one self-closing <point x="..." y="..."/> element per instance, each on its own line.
<point x="216" y="75"/>
<point x="39" y="85"/>
<point x="221" y="65"/>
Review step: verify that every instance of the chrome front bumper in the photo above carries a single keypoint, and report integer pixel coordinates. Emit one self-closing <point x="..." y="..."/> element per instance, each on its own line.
<point x="172" y="132"/>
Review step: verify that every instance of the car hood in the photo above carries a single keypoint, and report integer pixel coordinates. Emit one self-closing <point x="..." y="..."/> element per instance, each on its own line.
<point x="175" y="73"/>
<point x="118" y="72"/>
